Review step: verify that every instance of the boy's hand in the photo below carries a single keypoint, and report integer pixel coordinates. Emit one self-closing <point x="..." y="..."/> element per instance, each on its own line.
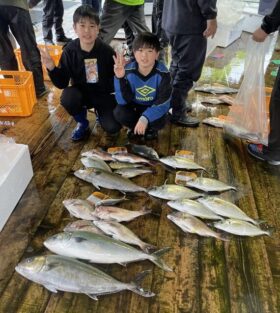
<point x="141" y="126"/>
<point x="259" y="35"/>
<point x="46" y="58"/>
<point x="119" y="65"/>
<point x="211" y="29"/>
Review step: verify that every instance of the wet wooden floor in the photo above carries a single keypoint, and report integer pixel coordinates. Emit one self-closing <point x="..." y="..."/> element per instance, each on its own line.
<point x="209" y="276"/>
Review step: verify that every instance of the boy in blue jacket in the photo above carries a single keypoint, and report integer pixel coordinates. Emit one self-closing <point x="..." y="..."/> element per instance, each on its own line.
<point x="142" y="89"/>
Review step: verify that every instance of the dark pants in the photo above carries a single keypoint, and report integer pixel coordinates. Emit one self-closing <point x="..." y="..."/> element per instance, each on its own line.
<point x="74" y="99"/>
<point x="52" y="16"/>
<point x="188" y="55"/>
<point x="128" y="115"/>
<point x="21" y="27"/>
<point x="273" y="150"/>
<point x="95" y="4"/>
<point x="156" y="23"/>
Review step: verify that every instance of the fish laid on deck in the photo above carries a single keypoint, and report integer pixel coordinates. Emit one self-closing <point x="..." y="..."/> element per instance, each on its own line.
<point x="241" y="228"/>
<point x="119" y="165"/>
<point x="108" y="180"/>
<point x="112" y="213"/>
<point x="129" y="158"/>
<point x="194" y="208"/>
<point x="214" y="121"/>
<point x="99" y="198"/>
<point x="191" y="224"/>
<point x="83" y="225"/>
<point x="173" y="192"/>
<point x="133" y="172"/>
<point x="100" y="249"/>
<point x="225" y="208"/>
<point x="79" y="208"/>
<point x="215" y="89"/>
<point x="209" y="184"/>
<point x="181" y="163"/>
<point x="57" y="272"/>
<point x="97" y="163"/>
<point x="98" y="153"/>
<point x="122" y="233"/>
<point x="146" y="152"/>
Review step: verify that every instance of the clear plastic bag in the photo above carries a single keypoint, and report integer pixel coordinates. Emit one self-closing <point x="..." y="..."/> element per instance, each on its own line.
<point x="248" y="115"/>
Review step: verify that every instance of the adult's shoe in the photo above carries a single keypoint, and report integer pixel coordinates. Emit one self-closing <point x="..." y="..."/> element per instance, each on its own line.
<point x="151" y="134"/>
<point x="49" y="42"/>
<point x="257" y="151"/>
<point x="185" y="120"/>
<point x="63" y="40"/>
<point x="80" y="132"/>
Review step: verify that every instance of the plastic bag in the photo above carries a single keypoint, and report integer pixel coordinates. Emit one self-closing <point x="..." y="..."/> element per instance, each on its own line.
<point x="248" y="114"/>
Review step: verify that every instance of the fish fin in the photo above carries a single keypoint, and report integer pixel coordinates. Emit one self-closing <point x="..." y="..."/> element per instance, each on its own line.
<point x="51" y="288"/>
<point x="122" y="264"/>
<point x="147" y="247"/>
<point x="155" y="258"/>
<point x="135" y="285"/>
<point x="92" y="296"/>
<point x="165" y="182"/>
<point x="96" y="186"/>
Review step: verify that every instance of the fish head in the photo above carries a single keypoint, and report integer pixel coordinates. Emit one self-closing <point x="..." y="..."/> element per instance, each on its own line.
<point x="82" y="174"/>
<point x="31" y="265"/>
<point x="61" y="240"/>
<point x="175" y="216"/>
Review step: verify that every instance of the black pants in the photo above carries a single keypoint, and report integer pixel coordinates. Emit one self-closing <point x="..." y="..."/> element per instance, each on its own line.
<point x="128" y="115"/>
<point x="21" y="27"/>
<point x="53" y="16"/>
<point x="273" y="150"/>
<point x="74" y="99"/>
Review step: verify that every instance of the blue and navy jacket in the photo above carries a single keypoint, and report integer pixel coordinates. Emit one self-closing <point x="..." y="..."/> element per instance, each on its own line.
<point x="152" y="91"/>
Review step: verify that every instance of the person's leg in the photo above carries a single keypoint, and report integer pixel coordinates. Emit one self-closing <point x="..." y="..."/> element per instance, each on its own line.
<point x="7" y="57"/>
<point x="22" y="29"/>
<point x="153" y="128"/>
<point x="136" y="19"/>
<point x="126" y="115"/>
<point x="48" y="20"/>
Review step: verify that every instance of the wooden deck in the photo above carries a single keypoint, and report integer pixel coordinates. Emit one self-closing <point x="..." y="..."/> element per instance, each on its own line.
<point x="209" y="276"/>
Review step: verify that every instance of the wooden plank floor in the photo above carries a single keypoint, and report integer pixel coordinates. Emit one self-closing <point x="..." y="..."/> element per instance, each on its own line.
<point x="209" y="276"/>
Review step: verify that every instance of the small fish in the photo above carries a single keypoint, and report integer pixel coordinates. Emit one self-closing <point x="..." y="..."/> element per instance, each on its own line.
<point x="100" y="249"/>
<point x="120" y="165"/>
<point x="173" y="192"/>
<point x="241" y="132"/>
<point x="95" y="163"/>
<point x="211" y="100"/>
<point x="225" y="208"/>
<point x="99" y="198"/>
<point x="82" y="225"/>
<point x="215" y="89"/>
<point x="145" y="151"/>
<point x="79" y="208"/>
<point x="214" y="121"/>
<point x="98" y="153"/>
<point x="209" y="184"/>
<point x="227" y="99"/>
<point x="130" y="158"/>
<point x="181" y="163"/>
<point x="112" y="213"/>
<point x="241" y="228"/>
<point x="57" y="272"/>
<point x="194" y="208"/>
<point x="191" y="224"/>
<point x="108" y="180"/>
<point x="133" y="172"/>
<point x="122" y="233"/>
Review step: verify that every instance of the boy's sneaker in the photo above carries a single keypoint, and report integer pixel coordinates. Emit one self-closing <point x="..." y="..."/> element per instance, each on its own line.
<point x="151" y="134"/>
<point x="80" y="132"/>
<point x="257" y="151"/>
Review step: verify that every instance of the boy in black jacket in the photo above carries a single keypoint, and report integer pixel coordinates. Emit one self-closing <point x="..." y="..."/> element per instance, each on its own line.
<point x="88" y="63"/>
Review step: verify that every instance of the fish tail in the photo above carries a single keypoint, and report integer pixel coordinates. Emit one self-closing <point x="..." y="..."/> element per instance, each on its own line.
<point x="146" y="247"/>
<point x="135" y="285"/>
<point x="222" y="237"/>
<point x="155" y="258"/>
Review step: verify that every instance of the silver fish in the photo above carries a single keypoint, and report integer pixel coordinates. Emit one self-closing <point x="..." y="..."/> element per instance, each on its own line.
<point x="194" y="208"/>
<point x="215" y="89"/>
<point x="209" y="184"/>
<point x="57" y="272"/>
<point x="145" y="151"/>
<point x="173" y="192"/>
<point x="82" y="225"/>
<point x="122" y="233"/>
<point x="100" y="249"/>
<point x="95" y="163"/>
<point x="79" y="208"/>
<point x="108" y="180"/>
<point x="211" y="100"/>
<point x="133" y="172"/>
<point x="104" y="201"/>
<point x="225" y="208"/>
<point x="98" y="153"/>
<point x="181" y="163"/>
<point x="112" y="213"/>
<point x="119" y="165"/>
<point x="241" y="228"/>
<point x="241" y="132"/>
<point x="130" y="158"/>
<point x="214" y="121"/>
<point x="191" y="224"/>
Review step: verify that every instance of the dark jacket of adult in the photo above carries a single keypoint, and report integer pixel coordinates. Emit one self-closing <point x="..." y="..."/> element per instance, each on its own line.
<point x="271" y="22"/>
<point x="187" y="16"/>
<point x="15" y="3"/>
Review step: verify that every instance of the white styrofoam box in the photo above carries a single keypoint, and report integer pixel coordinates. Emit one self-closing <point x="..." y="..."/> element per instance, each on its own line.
<point x="251" y="22"/>
<point x="15" y="174"/>
<point x="227" y="34"/>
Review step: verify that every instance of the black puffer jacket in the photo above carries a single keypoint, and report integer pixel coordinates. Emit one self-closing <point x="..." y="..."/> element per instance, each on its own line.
<point x="187" y="16"/>
<point x="271" y="22"/>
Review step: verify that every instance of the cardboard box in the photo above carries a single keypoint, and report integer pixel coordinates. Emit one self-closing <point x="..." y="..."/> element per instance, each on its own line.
<point x="15" y="174"/>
